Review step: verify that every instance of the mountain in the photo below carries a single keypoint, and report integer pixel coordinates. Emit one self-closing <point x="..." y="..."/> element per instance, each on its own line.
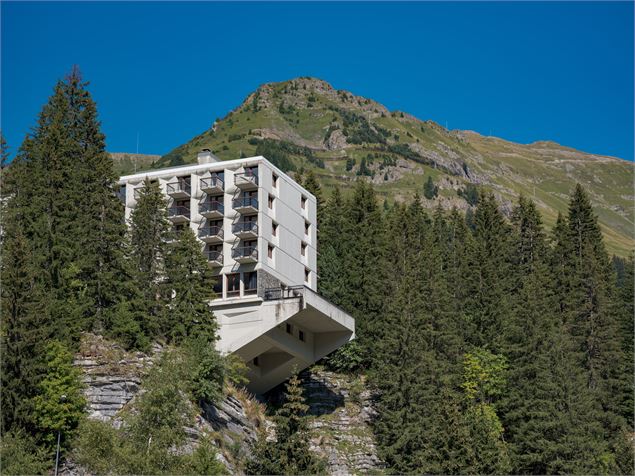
<point x="126" y="163"/>
<point x="306" y="123"/>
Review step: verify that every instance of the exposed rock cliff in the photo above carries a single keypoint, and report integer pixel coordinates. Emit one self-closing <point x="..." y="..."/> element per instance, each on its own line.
<point x="340" y="409"/>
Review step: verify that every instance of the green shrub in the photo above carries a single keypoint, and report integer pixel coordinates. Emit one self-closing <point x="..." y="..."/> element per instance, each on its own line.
<point x="20" y="455"/>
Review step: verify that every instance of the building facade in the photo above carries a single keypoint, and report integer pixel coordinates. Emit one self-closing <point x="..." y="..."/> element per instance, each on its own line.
<point x="258" y="230"/>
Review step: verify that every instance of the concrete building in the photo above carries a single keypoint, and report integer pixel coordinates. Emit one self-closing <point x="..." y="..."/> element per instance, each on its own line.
<point x="258" y="231"/>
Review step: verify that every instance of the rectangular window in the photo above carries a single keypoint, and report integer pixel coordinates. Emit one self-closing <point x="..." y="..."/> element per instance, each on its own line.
<point x="301" y="335"/>
<point x="303" y="249"/>
<point x="270" y="202"/>
<point x="303" y="202"/>
<point x="289" y="329"/>
<point x="270" y="251"/>
<point x="251" y="282"/>
<point x="256" y="363"/>
<point x="253" y="171"/>
<point x="274" y="180"/>
<point x="274" y="229"/>
<point x="307" y="228"/>
<point x="218" y="286"/>
<point x="307" y="275"/>
<point x="233" y="284"/>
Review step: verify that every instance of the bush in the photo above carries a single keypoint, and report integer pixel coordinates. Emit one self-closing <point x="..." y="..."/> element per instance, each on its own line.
<point x="20" y="455"/>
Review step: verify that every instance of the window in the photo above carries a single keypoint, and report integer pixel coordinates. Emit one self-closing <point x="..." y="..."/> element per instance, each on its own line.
<point x="233" y="284"/>
<point x="274" y="229"/>
<point x="307" y="228"/>
<point x="274" y="180"/>
<point x="270" y="251"/>
<point x="307" y="275"/>
<point x="218" y="286"/>
<point x="270" y="202"/>
<point x="251" y="282"/>
<point x="303" y="202"/>
<point x="251" y="171"/>
<point x="303" y="249"/>
<point x="289" y="329"/>
<point x="255" y="361"/>
<point x="301" y="335"/>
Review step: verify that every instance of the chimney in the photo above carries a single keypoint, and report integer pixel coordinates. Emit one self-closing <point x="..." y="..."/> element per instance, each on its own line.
<point x="205" y="156"/>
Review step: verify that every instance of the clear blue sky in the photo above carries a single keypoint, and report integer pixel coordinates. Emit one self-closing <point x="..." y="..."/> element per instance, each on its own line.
<point x="522" y="71"/>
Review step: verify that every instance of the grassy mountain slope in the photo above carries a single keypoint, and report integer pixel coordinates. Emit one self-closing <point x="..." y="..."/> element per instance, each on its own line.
<point x="130" y="163"/>
<point x="306" y="123"/>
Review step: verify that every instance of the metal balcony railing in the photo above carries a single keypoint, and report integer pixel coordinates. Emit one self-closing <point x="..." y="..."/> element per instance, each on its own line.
<point x="210" y="231"/>
<point x="180" y="187"/>
<point x="242" y="252"/>
<point x="246" y="179"/>
<point x="245" y="227"/>
<point x="213" y="182"/>
<point x="211" y="206"/>
<point x="178" y="210"/>
<point x="290" y="292"/>
<point x="245" y="202"/>
<point x="214" y="256"/>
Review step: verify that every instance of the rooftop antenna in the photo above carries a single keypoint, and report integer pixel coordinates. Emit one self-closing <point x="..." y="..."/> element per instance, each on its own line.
<point x="137" y="142"/>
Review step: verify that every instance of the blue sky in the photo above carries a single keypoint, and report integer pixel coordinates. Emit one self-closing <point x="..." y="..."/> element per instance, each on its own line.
<point x="521" y="71"/>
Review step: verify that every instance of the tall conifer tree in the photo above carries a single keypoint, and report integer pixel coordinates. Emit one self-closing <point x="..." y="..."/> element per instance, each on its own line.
<point x="189" y="288"/>
<point x="149" y="232"/>
<point x="488" y="304"/>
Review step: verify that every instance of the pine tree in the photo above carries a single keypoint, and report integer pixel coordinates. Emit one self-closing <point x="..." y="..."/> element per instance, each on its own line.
<point x="24" y="326"/>
<point x="538" y="407"/>
<point x="312" y="184"/>
<point x="430" y="190"/>
<point x="590" y="310"/>
<point x="290" y="453"/>
<point x="488" y="305"/>
<point x="626" y="306"/>
<point x="149" y="231"/>
<point x="363" y="263"/>
<point x="189" y="290"/>
<point x="332" y="284"/>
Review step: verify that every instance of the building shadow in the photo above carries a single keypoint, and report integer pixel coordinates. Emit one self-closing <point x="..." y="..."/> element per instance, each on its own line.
<point x="321" y="395"/>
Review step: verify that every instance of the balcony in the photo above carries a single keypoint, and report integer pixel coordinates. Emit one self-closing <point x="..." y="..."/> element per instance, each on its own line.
<point x="211" y="209"/>
<point x="214" y="258"/>
<point x="212" y="185"/>
<point x="245" y="254"/>
<point x="245" y="205"/>
<point x="211" y="234"/>
<point x="246" y="180"/>
<point x="245" y="229"/>
<point x="179" y="189"/>
<point x="179" y="213"/>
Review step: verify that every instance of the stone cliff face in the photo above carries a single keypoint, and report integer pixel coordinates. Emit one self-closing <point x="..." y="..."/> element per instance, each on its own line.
<point x="112" y="377"/>
<point x="340" y="410"/>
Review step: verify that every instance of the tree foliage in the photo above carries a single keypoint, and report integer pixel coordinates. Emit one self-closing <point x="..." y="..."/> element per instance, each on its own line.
<point x="289" y="453"/>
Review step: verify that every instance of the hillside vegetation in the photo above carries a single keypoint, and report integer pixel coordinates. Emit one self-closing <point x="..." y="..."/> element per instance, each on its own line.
<point x="306" y="123"/>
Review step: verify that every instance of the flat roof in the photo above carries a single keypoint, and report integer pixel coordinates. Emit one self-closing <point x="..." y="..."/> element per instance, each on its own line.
<point x="188" y="169"/>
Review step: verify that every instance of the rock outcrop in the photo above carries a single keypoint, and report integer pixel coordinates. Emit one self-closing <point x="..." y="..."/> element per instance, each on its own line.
<point x="342" y="411"/>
